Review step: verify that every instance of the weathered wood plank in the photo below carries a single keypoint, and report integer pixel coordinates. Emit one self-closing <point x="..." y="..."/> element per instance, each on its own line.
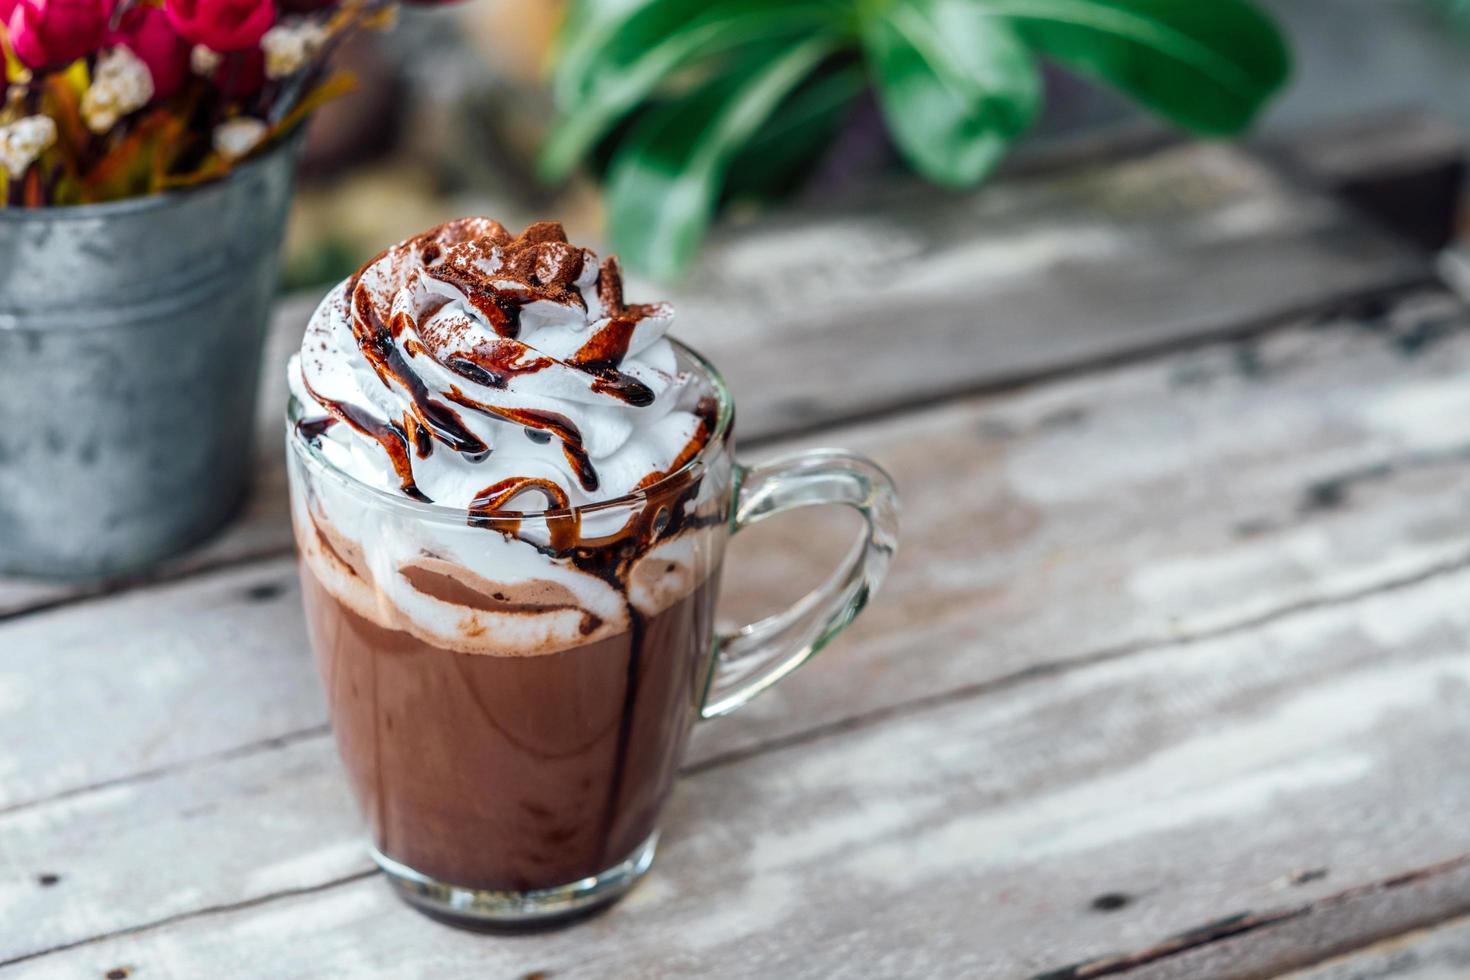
<point x="924" y="295"/>
<point x="1266" y="943"/>
<point x="1440" y="953"/>
<point x="1098" y="513"/>
<point x="153" y="678"/>
<point x="163" y="846"/>
<point x="1035" y="275"/>
<point x="1129" y="507"/>
<point x="1094" y="525"/>
<point x="1403" y="168"/>
<point x="1006" y="835"/>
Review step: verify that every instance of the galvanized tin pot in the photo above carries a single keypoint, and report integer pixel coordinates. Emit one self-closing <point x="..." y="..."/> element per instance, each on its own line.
<point x="130" y="340"/>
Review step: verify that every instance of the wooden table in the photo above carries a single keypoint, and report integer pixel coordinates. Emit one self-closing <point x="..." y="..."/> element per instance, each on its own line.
<point x="1170" y="678"/>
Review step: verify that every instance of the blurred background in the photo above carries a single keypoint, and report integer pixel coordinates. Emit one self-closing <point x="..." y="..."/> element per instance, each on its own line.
<point x="476" y="78"/>
<point x="1169" y="677"/>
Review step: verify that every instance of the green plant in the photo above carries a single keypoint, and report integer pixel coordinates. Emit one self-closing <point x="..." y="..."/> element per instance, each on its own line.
<point x="1457" y="12"/>
<point x="678" y="103"/>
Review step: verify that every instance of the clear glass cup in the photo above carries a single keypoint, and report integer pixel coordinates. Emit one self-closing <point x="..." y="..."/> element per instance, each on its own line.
<point x="512" y="746"/>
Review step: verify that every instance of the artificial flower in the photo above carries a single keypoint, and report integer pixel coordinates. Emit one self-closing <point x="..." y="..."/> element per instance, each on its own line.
<point x="290" y="45"/>
<point x="121" y="84"/>
<point x="204" y="61"/>
<point x="235" y="138"/>
<point x="221" y="25"/>
<point x="147" y="33"/>
<point x="54" y="33"/>
<point x="22" y="141"/>
<point x="120" y="69"/>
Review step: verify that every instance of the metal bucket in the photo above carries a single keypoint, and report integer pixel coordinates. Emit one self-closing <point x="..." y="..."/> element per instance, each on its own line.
<point x="130" y="342"/>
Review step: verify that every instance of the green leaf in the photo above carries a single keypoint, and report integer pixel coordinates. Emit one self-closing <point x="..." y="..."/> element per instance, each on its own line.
<point x="797" y="132"/>
<point x="623" y="51"/>
<point x="665" y="178"/>
<point x="586" y="26"/>
<point x="957" y="85"/>
<point x="1209" y="65"/>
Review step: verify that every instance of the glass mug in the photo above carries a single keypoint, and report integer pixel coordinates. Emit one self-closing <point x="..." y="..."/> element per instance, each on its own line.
<point x="512" y="746"/>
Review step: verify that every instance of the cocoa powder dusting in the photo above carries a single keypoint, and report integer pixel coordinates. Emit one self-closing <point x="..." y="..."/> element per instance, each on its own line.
<point x="497" y="274"/>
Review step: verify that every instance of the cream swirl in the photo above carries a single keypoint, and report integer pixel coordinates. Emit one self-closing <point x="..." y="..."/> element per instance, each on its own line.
<point x="477" y="369"/>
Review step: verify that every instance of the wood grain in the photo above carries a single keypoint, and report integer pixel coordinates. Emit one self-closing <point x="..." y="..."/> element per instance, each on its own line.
<point x="1404" y="169"/>
<point x="921" y="295"/>
<point x="1388" y="912"/>
<point x="1169" y="678"/>
<point x="1117" y="804"/>
<point x="1439" y="953"/>
<point x="1084" y="521"/>
<point x="1072" y="520"/>
<point x="918" y="296"/>
<point x="151" y="679"/>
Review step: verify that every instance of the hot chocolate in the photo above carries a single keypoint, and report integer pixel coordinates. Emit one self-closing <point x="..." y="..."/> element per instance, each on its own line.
<point x="511" y="773"/>
<point x="512" y="666"/>
<point x="511" y="495"/>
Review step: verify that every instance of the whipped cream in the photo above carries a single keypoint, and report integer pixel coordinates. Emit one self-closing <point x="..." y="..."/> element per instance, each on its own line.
<point x="501" y="374"/>
<point x="477" y="369"/>
<point x="512" y="599"/>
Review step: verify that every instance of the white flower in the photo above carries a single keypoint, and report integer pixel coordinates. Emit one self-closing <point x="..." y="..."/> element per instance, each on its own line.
<point x="289" y="46"/>
<point x="24" y="140"/>
<point x="204" y="61"/>
<point x="121" y="84"/>
<point x="236" y="137"/>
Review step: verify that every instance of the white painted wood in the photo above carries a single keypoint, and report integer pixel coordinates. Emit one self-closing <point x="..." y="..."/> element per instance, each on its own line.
<point x="152" y="678"/>
<point x="1072" y="519"/>
<point x="164" y="845"/>
<point x="1387" y="915"/>
<point x="1132" y="506"/>
<point x="819" y="317"/>
<point x="1171" y="526"/>
<point x="1440" y="953"/>
<point x="966" y="838"/>
<point x="816" y="317"/>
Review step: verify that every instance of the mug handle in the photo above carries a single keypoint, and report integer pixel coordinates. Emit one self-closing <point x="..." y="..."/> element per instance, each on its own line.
<point x="754" y="657"/>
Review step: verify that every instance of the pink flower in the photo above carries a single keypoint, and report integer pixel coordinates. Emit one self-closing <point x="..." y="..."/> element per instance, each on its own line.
<point x="221" y="25"/>
<point x="53" y="33"/>
<point x="147" y="32"/>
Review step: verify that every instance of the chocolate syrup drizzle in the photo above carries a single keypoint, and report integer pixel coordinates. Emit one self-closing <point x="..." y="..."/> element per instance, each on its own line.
<point x="493" y="499"/>
<point x="554" y="423"/>
<point x="375" y="340"/>
<point x="538" y="265"/>
<point x="387" y="434"/>
<point x="669" y="511"/>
